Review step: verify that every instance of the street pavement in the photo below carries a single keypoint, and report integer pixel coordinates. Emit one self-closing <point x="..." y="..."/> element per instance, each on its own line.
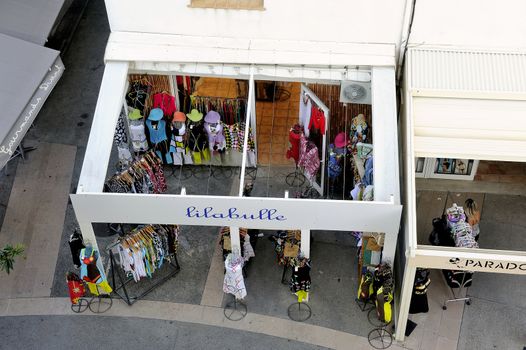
<point x="96" y="332"/>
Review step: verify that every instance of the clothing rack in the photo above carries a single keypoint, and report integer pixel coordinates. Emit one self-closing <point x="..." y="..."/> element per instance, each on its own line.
<point x="463" y="285"/>
<point x="231" y="110"/>
<point x="119" y="282"/>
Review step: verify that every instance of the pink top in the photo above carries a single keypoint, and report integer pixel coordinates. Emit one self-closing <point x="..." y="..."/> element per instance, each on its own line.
<point x="165" y="102"/>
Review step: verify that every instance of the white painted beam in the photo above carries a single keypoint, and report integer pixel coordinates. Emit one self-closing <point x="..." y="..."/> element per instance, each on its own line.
<point x="285" y="214"/>
<point x="98" y="149"/>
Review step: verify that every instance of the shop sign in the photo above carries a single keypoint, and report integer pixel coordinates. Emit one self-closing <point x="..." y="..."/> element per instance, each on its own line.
<point x="234" y="214"/>
<point x="488" y="265"/>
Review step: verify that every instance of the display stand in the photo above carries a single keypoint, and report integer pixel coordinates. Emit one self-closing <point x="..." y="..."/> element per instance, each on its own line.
<point x="457" y="296"/>
<point x="296" y="178"/>
<point x="235" y="310"/>
<point x="379" y="337"/>
<point x="121" y="290"/>
<point x="299" y="311"/>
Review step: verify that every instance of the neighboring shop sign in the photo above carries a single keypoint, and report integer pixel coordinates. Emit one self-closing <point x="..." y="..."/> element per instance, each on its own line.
<point x="488" y="265"/>
<point x="504" y="262"/>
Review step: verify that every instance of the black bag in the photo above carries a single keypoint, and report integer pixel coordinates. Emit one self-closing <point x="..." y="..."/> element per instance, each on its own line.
<point x="441" y="234"/>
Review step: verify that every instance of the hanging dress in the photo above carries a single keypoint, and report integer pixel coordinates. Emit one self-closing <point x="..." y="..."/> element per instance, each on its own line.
<point x="234" y="282"/>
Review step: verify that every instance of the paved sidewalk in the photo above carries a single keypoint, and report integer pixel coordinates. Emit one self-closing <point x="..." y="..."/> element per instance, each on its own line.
<point x="93" y="332"/>
<point x="194" y="314"/>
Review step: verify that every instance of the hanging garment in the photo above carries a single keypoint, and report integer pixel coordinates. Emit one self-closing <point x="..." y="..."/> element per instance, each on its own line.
<point x="157" y="132"/>
<point x="124" y="153"/>
<point x="384" y="308"/>
<point x="138" y="136"/>
<point x="120" y="135"/>
<point x="138" y="95"/>
<point x="234" y="282"/>
<point x="143" y="251"/>
<point x="368" y="175"/>
<point x="165" y="102"/>
<point x="248" y="251"/>
<point x="419" y="298"/>
<point x="76" y="244"/>
<point x="305" y="113"/>
<point x="309" y="159"/>
<point x="300" y="279"/>
<point x="91" y="271"/>
<point x="294" y="143"/>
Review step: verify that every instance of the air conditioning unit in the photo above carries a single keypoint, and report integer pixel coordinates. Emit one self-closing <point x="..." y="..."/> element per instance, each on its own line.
<point x="355" y="92"/>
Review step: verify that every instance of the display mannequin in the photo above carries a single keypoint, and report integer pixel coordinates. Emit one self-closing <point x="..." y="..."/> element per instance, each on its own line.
<point x="197" y="140"/>
<point x="157" y="131"/>
<point x="137" y="133"/>
<point x="214" y="131"/>
<point x="177" y="141"/>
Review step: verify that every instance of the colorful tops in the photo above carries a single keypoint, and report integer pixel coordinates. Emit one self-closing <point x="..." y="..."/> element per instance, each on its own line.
<point x="309" y="159"/>
<point x="165" y="102"/>
<point x="317" y="120"/>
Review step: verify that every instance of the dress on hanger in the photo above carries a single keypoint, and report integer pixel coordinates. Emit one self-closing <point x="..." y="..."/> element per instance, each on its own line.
<point x="294" y="142"/>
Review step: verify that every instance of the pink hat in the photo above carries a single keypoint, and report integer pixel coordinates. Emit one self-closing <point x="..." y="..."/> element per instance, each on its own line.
<point x="340" y="140"/>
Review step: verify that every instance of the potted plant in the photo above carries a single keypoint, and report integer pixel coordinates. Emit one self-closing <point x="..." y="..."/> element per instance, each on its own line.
<point x="8" y="255"/>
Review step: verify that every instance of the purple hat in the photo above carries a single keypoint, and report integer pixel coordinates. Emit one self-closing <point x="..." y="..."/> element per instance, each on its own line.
<point x="340" y="140"/>
<point x="212" y="117"/>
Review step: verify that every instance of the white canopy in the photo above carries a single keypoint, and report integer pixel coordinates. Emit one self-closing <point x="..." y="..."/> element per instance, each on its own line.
<point x="29" y="72"/>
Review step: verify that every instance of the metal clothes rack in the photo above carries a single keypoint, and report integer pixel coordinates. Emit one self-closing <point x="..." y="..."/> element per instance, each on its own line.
<point x="122" y="292"/>
<point x="458" y="295"/>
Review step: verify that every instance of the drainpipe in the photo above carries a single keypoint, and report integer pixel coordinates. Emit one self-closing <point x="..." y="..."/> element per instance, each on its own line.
<point x="407" y="24"/>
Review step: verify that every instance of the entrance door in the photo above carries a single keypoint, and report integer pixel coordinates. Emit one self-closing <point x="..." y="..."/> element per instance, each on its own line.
<point x="306" y="94"/>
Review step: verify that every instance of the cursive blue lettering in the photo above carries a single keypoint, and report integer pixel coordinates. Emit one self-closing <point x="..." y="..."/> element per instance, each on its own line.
<point x="190" y="212"/>
<point x="234" y="214"/>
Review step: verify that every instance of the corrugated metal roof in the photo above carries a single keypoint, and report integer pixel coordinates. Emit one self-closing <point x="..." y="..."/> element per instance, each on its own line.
<point x="472" y="71"/>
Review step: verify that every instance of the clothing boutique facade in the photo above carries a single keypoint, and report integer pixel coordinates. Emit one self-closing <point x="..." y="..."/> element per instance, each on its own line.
<point x="154" y="48"/>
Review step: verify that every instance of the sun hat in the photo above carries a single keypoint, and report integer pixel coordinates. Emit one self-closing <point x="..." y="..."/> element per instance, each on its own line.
<point x="195" y="115"/>
<point x="156" y="114"/>
<point x="340" y="140"/>
<point x="212" y="117"/>
<point x="135" y="114"/>
<point x="179" y="117"/>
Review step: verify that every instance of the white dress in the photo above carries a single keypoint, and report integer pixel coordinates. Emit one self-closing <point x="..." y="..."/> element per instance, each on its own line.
<point x="234" y="282"/>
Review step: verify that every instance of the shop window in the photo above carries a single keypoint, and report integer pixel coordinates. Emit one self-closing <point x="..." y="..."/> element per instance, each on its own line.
<point x="228" y="4"/>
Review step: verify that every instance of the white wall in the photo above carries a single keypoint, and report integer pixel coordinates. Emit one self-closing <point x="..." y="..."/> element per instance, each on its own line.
<point x="470" y="23"/>
<point x="335" y="20"/>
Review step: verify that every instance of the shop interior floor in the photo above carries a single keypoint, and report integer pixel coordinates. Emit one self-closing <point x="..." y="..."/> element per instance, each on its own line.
<point x="35" y="217"/>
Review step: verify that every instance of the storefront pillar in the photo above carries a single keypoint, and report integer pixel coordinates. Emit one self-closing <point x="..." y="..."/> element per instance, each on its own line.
<point x="389" y="248"/>
<point x="305" y="243"/>
<point x="405" y="299"/>
<point x="235" y="240"/>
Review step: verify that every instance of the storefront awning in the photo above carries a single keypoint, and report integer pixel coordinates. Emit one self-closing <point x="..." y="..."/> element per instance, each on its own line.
<point x="468" y="104"/>
<point x="29" y="72"/>
<point x="29" y="20"/>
